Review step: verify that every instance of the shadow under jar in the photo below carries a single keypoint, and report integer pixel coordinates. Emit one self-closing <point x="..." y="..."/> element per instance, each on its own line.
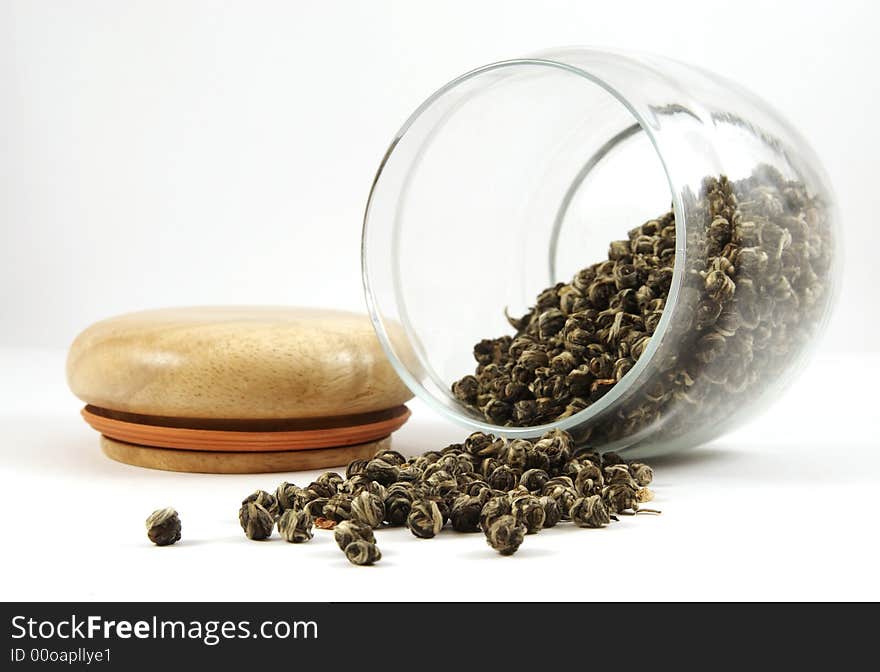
<point x="682" y="232"/>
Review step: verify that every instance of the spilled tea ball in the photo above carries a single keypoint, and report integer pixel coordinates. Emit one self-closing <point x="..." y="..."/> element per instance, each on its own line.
<point x="265" y="500"/>
<point x="505" y="535"/>
<point x="295" y="526"/>
<point x="256" y="521"/>
<point x="642" y="474"/>
<point x="163" y="527"/>
<point x="494" y="509"/>
<point x="529" y="512"/>
<point x="589" y="512"/>
<point x="398" y="503"/>
<point x="360" y="552"/>
<point x="368" y="508"/>
<point x="465" y="513"/>
<point x="338" y="507"/>
<point x="425" y="520"/>
<point x="621" y="497"/>
<point x="352" y="530"/>
<point x="552" y="514"/>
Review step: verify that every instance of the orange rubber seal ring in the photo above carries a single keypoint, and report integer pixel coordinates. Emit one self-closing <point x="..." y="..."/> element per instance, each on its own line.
<point x="241" y="435"/>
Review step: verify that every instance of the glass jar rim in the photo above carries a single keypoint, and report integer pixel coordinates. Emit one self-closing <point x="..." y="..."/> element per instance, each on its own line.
<point x="621" y="387"/>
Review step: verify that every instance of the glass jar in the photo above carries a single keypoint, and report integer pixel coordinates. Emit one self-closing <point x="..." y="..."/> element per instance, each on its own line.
<point x="518" y="174"/>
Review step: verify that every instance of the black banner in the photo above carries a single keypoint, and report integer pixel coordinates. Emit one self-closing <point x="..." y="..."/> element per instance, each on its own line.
<point x="132" y="636"/>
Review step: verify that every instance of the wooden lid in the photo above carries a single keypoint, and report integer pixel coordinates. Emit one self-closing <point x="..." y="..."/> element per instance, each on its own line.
<point x="211" y="462"/>
<point x="234" y="363"/>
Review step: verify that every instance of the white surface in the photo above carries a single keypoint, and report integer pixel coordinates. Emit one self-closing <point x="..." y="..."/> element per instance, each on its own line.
<point x="204" y="152"/>
<point x="783" y="509"/>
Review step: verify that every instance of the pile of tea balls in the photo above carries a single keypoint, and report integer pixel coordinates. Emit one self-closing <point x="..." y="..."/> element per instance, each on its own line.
<point x="504" y="488"/>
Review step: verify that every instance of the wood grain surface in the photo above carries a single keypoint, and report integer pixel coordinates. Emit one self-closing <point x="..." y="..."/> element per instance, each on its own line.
<point x="207" y="462"/>
<point x="235" y="362"/>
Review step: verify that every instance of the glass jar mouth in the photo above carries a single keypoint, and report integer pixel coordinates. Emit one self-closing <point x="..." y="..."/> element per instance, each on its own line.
<point x="457" y="412"/>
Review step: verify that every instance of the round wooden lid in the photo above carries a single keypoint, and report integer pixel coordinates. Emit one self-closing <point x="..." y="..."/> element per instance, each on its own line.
<point x="211" y="462"/>
<point x="234" y="363"/>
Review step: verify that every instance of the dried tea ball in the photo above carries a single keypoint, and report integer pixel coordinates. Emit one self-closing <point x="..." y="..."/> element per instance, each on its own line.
<point x="465" y="514"/>
<point x="355" y="467"/>
<point x="295" y="526"/>
<point x="617" y="473"/>
<point x="534" y="479"/>
<point x="488" y="465"/>
<point x="391" y="457"/>
<point x="444" y="507"/>
<point x="351" y="530"/>
<point x="373" y="488"/>
<point x="256" y="521"/>
<point x="516" y="453"/>
<point x="620" y="497"/>
<point x="425" y="520"/>
<point x="497" y="412"/>
<point x="466" y="389"/>
<point x="556" y="483"/>
<point x="505" y="535"/>
<point x="552" y="513"/>
<point x="355" y="484"/>
<point x="482" y="445"/>
<point x="492" y="510"/>
<point x="587" y="470"/>
<point x="642" y="474"/>
<point x="589" y="512"/>
<point x="163" y="527"/>
<point x="408" y="473"/>
<point x="368" y="508"/>
<point x="338" y="507"/>
<point x="265" y="500"/>
<point x="322" y="489"/>
<point x="300" y="498"/>
<point x="286" y="496"/>
<point x="571" y="468"/>
<point x="441" y="482"/>
<point x="586" y="486"/>
<point x="398" y="502"/>
<point x="481" y="489"/>
<point x="557" y="444"/>
<point x="537" y="459"/>
<point x="503" y="478"/>
<point x="433" y="468"/>
<point x="561" y="489"/>
<point x="528" y="511"/>
<point x="362" y="552"/>
<point x="381" y="471"/>
<point x="330" y="479"/>
<point x="315" y="507"/>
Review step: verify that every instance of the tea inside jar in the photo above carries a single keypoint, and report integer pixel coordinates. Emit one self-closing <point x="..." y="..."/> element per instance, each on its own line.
<point x="754" y="289"/>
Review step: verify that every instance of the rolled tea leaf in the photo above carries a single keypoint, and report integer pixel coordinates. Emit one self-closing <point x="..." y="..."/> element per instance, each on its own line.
<point x="163" y="527"/>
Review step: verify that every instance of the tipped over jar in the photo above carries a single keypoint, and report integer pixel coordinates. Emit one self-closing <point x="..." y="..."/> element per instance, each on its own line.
<point x="621" y="246"/>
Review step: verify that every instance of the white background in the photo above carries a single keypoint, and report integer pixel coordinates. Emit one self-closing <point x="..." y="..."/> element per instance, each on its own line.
<point x="784" y="509"/>
<point x="158" y="153"/>
<point x="162" y="153"/>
